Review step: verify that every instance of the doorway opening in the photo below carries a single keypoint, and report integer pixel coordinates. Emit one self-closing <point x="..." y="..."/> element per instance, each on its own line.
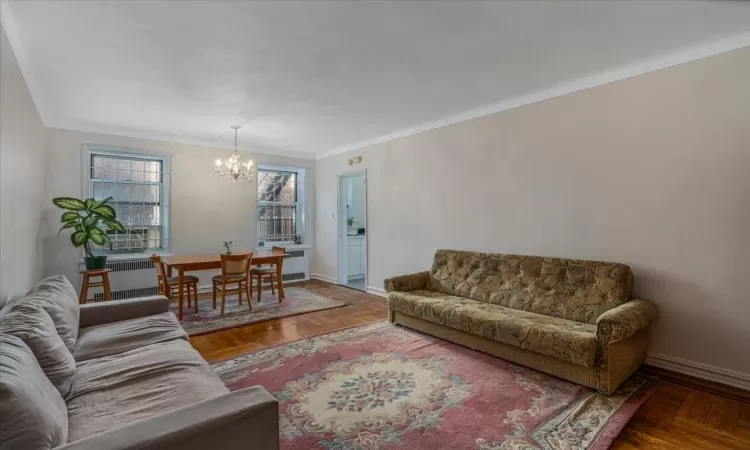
<point x="352" y="227"/>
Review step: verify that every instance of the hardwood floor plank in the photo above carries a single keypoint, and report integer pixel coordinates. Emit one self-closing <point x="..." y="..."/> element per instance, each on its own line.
<point x="682" y="414"/>
<point x="696" y="383"/>
<point x="723" y="417"/>
<point x="743" y="421"/>
<point x="696" y="406"/>
<point x="634" y="439"/>
<point x="661" y="409"/>
<point x="704" y="438"/>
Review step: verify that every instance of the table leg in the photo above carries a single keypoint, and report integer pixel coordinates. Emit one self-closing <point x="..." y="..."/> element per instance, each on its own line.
<point x="180" y="289"/>
<point x="279" y="262"/>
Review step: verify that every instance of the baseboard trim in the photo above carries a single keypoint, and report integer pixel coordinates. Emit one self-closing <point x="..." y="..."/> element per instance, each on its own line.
<point x="377" y="291"/>
<point x="325" y="278"/>
<point x="699" y="370"/>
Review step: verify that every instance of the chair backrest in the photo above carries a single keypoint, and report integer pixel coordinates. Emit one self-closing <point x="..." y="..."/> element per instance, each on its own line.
<point x="275" y="249"/>
<point x="161" y="271"/>
<point x="238" y="264"/>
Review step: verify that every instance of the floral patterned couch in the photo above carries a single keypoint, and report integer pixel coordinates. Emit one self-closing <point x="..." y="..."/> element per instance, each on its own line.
<point x="570" y="318"/>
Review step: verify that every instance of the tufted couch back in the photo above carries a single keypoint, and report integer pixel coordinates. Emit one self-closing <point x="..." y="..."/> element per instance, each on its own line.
<point x="569" y="289"/>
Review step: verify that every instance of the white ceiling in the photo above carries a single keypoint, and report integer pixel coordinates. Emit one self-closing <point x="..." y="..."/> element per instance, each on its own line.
<point x="318" y="77"/>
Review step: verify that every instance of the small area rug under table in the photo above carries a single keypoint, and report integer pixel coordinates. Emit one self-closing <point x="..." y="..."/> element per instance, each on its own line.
<point x="382" y="386"/>
<point x="207" y="320"/>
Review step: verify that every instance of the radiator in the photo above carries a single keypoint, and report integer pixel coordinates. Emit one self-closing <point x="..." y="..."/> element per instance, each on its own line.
<point x="137" y="277"/>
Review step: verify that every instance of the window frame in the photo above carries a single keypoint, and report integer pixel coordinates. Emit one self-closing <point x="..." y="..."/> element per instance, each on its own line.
<point x="87" y="153"/>
<point x="300" y="203"/>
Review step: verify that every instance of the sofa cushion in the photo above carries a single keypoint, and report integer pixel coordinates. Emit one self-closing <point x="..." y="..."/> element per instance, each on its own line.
<point x="57" y="296"/>
<point x="114" y="390"/>
<point x="32" y="412"/>
<point x="564" y="339"/>
<point x="35" y="327"/>
<point x="569" y="289"/>
<point x="118" y="337"/>
<point x="6" y="305"/>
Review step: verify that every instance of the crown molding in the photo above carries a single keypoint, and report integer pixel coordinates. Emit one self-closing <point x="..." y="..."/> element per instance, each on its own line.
<point x="680" y="56"/>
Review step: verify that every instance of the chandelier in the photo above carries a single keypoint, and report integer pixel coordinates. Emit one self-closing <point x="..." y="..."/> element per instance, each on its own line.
<point x="234" y="168"/>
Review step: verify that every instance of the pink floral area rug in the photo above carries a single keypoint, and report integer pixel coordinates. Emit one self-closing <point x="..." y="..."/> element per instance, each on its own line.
<point x="382" y="386"/>
<point x="297" y="300"/>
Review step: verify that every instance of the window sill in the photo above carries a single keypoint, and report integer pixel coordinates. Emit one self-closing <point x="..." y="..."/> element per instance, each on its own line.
<point x="287" y="246"/>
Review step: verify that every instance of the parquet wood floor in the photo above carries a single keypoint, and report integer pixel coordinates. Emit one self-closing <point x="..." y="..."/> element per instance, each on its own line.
<point x="682" y="414"/>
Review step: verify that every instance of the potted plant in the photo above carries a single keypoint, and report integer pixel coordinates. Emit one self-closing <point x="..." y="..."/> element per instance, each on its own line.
<point x="89" y="220"/>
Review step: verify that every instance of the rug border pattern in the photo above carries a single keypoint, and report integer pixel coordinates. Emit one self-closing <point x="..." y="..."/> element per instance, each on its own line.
<point x="340" y="304"/>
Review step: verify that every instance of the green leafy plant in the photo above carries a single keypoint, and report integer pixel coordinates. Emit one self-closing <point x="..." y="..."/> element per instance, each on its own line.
<point x="89" y="220"/>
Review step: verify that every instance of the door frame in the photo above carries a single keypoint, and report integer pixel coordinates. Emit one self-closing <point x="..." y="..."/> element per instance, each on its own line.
<point x="342" y="277"/>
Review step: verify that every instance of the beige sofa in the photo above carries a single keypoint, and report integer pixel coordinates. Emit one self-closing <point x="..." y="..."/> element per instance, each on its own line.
<point x="570" y="318"/>
<point x="116" y="375"/>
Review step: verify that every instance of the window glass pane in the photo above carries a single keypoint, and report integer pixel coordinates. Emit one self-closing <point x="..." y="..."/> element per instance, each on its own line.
<point x="104" y="168"/>
<point x="144" y="193"/>
<point x="153" y="172"/>
<point x="287" y="192"/>
<point x="265" y="182"/>
<point x="135" y="185"/>
<point x="123" y="169"/>
<point x="277" y="206"/>
<point x="137" y="171"/>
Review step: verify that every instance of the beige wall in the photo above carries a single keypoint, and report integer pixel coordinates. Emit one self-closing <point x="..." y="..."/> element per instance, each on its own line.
<point x="204" y="210"/>
<point x="21" y="184"/>
<point x="652" y="171"/>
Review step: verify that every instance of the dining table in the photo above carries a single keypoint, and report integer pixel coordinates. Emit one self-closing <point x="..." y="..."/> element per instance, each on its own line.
<point x="210" y="261"/>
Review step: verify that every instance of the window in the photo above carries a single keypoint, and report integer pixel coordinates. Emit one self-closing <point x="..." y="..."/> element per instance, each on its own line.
<point x="138" y="185"/>
<point x="281" y="196"/>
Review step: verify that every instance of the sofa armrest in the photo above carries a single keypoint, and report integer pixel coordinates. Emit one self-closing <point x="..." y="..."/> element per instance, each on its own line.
<point x="405" y="283"/>
<point x="116" y="310"/>
<point x="620" y="323"/>
<point x="244" y="419"/>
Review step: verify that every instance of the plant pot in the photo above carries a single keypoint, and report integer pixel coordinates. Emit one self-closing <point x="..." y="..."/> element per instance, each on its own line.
<point x="95" y="262"/>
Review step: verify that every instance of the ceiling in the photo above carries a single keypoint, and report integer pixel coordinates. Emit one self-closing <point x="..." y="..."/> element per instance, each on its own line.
<point x="313" y="78"/>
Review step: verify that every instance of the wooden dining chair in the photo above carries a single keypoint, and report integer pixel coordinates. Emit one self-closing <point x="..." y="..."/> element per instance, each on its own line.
<point x="269" y="272"/>
<point x="169" y="286"/>
<point x="234" y="270"/>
